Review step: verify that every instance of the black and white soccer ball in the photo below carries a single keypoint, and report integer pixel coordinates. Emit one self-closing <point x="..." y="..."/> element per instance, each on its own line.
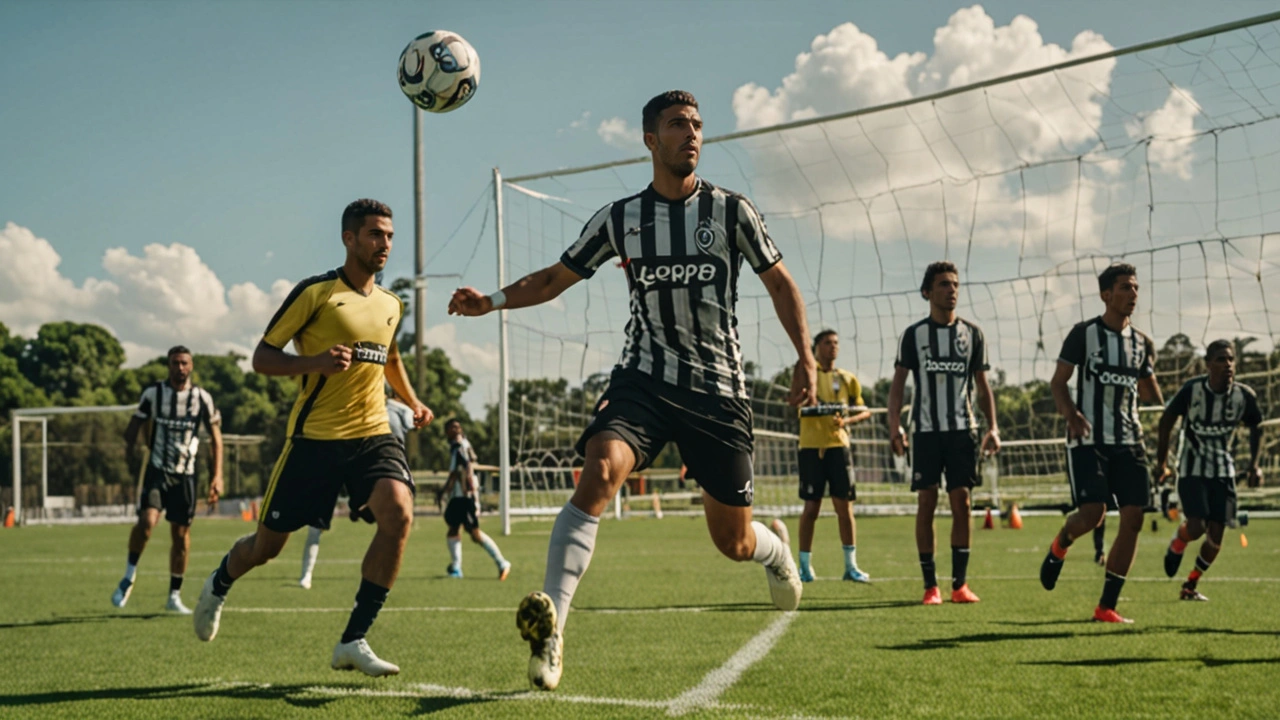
<point x="439" y="71"/>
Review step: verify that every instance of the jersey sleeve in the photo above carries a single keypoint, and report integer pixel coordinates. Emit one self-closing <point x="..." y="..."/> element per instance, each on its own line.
<point x="907" y="353"/>
<point x="209" y="413"/>
<point x="146" y="403"/>
<point x="855" y="389"/>
<point x="293" y="315"/>
<point x="593" y="247"/>
<point x="1149" y="358"/>
<point x="978" y="361"/>
<point x="1073" y="347"/>
<point x="1181" y="401"/>
<point x="1252" y="413"/>
<point x="753" y="238"/>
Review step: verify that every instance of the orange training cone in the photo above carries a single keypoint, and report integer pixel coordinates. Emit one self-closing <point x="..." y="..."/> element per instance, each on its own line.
<point x="8" y="517"/>
<point x="987" y="523"/>
<point x="1244" y="541"/>
<point x="1015" y="518"/>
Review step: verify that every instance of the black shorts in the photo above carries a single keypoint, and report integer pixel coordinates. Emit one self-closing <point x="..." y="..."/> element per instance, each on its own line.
<point x="713" y="432"/>
<point x="462" y="511"/>
<point x="171" y="492"/>
<point x="310" y="474"/>
<point x="1113" y="474"/>
<point x="953" y="453"/>
<point x="826" y="466"/>
<point x="1209" y="499"/>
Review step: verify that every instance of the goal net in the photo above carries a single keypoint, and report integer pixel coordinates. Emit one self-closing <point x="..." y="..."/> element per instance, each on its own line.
<point x="1165" y="156"/>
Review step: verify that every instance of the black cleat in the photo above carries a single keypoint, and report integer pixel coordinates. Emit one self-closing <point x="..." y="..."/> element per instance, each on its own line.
<point x="1171" y="562"/>
<point x="1049" y="570"/>
<point x="1190" y="593"/>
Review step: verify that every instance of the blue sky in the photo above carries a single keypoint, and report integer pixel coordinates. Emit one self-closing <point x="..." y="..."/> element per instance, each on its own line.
<point x="239" y="130"/>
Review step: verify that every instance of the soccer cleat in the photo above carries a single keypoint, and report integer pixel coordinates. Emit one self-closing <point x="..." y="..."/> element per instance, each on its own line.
<point x="208" y="612"/>
<point x="452" y="571"/>
<point x="1050" y="569"/>
<point x="932" y="596"/>
<point x="856" y="575"/>
<point x="1190" y="593"/>
<point x="963" y="595"/>
<point x="806" y="574"/>
<point x="175" y="605"/>
<point x="357" y="655"/>
<point x="121" y="595"/>
<point x="305" y="582"/>
<point x="536" y="619"/>
<point x="504" y="570"/>
<point x="784" y="580"/>
<point x="1108" y="615"/>
<point x="1171" y="561"/>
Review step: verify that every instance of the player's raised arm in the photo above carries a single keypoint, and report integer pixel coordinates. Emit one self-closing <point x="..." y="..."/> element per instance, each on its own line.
<point x="790" y="308"/>
<point x="532" y="289"/>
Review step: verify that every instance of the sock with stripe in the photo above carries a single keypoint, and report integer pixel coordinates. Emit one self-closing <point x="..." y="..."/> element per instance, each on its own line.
<point x="1059" y="548"/>
<point x="959" y="567"/>
<point x="1111" y="591"/>
<point x="175" y="584"/>
<point x="310" y="551"/>
<point x="491" y="547"/>
<point x="222" y="578"/>
<point x="929" y="569"/>
<point x="1202" y="566"/>
<point x="131" y="566"/>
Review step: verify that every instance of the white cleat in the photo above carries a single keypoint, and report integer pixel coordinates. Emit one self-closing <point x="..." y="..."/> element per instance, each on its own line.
<point x="208" y="611"/>
<point x="305" y="582"/>
<point x="175" y="605"/>
<point x="121" y="596"/>
<point x="504" y="569"/>
<point x="784" y="580"/>
<point x="357" y="655"/>
<point x="536" y="619"/>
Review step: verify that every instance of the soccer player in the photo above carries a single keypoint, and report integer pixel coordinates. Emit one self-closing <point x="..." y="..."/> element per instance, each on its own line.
<point x="343" y="327"/>
<point x="400" y="421"/>
<point x="463" y="504"/>
<point x="947" y="357"/>
<point x="1212" y="406"/>
<point x="1106" y="461"/>
<point x="824" y="455"/>
<point x="681" y="243"/>
<point x="175" y="409"/>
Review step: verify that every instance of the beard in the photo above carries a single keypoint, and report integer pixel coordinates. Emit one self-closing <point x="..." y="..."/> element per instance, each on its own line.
<point x="372" y="265"/>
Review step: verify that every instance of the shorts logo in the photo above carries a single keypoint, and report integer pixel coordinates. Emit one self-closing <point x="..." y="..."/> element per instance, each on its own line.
<point x="749" y="492"/>
<point x="917" y="477"/>
<point x="275" y="514"/>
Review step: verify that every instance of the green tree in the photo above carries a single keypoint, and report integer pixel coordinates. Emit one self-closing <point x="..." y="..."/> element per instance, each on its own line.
<point x="73" y="363"/>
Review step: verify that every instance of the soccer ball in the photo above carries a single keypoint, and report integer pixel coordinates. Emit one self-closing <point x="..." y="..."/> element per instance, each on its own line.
<point x="439" y="71"/>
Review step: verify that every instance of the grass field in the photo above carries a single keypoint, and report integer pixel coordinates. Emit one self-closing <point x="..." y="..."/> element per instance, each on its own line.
<point x="662" y="625"/>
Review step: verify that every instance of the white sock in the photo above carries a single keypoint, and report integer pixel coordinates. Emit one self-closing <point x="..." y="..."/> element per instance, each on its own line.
<point x="850" y="557"/>
<point x="573" y="540"/>
<point x="491" y="547"/>
<point x="769" y="548"/>
<point x="130" y="572"/>
<point x="455" y="551"/>
<point x="310" y="551"/>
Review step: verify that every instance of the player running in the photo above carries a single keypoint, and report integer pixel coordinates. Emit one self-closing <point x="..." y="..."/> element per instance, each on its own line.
<point x="462" y="510"/>
<point x="681" y="243"/>
<point x="1212" y="406"/>
<point x="1106" y="461"/>
<point x="947" y="357"/>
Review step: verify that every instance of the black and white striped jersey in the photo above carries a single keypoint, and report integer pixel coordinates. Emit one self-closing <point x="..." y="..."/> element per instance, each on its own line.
<point x="1109" y="365"/>
<point x="1209" y="422"/>
<point x="461" y="457"/>
<point x="176" y="417"/>
<point x="942" y="360"/>
<point x="681" y="259"/>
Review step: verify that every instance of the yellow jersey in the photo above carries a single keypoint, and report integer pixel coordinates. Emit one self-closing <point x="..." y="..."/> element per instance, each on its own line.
<point x="323" y="311"/>
<point x="835" y="386"/>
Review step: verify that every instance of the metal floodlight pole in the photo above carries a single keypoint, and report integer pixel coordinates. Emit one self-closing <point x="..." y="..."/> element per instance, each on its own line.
<point x="419" y="256"/>
<point x="504" y="431"/>
<point x="14" y="425"/>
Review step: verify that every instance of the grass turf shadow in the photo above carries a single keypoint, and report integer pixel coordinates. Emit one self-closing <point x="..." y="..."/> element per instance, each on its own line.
<point x="80" y="619"/>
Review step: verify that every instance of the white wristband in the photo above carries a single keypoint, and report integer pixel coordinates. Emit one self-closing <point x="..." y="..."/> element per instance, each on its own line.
<point x="499" y="299"/>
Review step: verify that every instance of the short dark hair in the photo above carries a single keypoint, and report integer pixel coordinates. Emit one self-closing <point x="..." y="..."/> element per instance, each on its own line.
<point x="177" y="350"/>
<point x="934" y="270"/>
<point x="451" y="421"/>
<point x="353" y="217"/>
<point x="655" y="106"/>
<point x="1216" y="347"/>
<point x="818" y="338"/>
<point x="1107" y="279"/>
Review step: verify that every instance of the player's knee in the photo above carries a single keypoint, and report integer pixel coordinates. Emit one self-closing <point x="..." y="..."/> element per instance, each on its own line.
<point x="810" y="511"/>
<point x="1195" y="528"/>
<point x="396" y="519"/>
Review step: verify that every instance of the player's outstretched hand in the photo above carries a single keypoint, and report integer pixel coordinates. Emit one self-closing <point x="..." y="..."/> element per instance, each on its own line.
<point x="804" y="383"/>
<point x="334" y="360"/>
<point x="422" y="414"/>
<point x="470" y="302"/>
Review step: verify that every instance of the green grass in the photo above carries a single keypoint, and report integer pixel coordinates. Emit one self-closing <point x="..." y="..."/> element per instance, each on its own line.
<point x="851" y="651"/>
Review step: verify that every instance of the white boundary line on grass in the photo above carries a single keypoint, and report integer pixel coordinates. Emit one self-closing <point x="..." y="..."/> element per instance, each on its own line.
<point x="713" y="685"/>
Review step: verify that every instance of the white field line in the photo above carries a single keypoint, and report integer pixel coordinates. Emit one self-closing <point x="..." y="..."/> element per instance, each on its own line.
<point x="722" y="678"/>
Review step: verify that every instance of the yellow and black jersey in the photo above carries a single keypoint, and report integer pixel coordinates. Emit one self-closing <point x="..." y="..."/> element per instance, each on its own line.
<point x="834" y="387"/>
<point x="323" y="311"/>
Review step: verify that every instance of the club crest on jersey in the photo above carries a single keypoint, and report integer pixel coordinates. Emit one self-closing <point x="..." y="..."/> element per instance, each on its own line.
<point x="705" y="236"/>
<point x="962" y="343"/>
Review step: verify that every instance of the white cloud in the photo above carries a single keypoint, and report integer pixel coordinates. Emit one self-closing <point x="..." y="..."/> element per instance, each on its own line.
<point x="1170" y="129"/>
<point x="577" y="124"/>
<point x="616" y="132"/>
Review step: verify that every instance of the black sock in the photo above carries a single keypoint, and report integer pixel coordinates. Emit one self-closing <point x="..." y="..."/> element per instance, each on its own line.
<point x="929" y="569"/>
<point x="1111" y="591"/>
<point x="175" y="583"/>
<point x="222" y="579"/>
<point x="369" y="600"/>
<point x="1098" y="534"/>
<point x="959" y="566"/>
<point x="133" y="557"/>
